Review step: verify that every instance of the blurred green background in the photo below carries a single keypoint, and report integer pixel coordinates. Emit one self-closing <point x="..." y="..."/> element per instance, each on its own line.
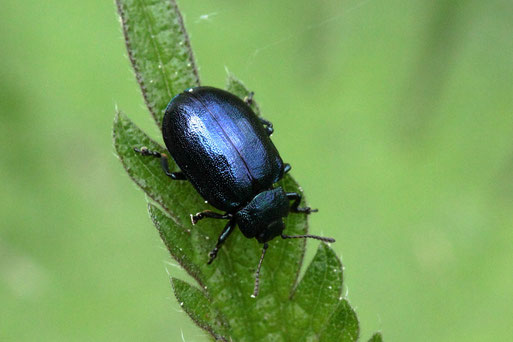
<point x="397" y="117"/>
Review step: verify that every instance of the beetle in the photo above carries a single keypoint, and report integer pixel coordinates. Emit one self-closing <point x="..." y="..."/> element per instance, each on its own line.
<point x="224" y="149"/>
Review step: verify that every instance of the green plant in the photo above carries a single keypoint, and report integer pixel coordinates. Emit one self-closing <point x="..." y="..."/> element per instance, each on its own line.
<point x="286" y="309"/>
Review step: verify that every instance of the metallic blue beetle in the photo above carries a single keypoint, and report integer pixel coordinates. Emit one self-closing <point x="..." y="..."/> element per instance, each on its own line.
<point x="224" y="150"/>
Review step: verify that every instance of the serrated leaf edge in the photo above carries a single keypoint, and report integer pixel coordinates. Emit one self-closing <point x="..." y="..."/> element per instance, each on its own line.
<point x="129" y="49"/>
<point x="196" y="274"/>
<point x="191" y="314"/>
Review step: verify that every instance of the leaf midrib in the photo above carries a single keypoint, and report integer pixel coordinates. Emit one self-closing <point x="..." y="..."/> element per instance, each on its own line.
<point x="156" y="47"/>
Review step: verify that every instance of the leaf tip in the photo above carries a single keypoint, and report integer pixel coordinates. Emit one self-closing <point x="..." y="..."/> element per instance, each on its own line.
<point x="377" y="337"/>
<point x="228" y="72"/>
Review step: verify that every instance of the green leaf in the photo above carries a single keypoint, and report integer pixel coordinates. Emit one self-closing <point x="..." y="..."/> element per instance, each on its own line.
<point x="198" y="307"/>
<point x="235" y="86"/>
<point x="342" y="325"/>
<point x="178" y="241"/>
<point x="285" y="310"/>
<point x="177" y="198"/>
<point x="376" y="338"/>
<point x="230" y="278"/>
<point x="317" y="294"/>
<point x="159" y="49"/>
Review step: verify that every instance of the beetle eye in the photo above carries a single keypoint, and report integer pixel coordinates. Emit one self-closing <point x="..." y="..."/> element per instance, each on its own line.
<point x="278" y="224"/>
<point x="274" y="229"/>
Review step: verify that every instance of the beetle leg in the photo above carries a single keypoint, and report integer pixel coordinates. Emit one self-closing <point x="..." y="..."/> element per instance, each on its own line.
<point x="268" y="126"/>
<point x="222" y="238"/>
<point x="295" y="206"/>
<point x="286" y="168"/>
<point x="210" y="214"/>
<point x="249" y="98"/>
<point x="163" y="162"/>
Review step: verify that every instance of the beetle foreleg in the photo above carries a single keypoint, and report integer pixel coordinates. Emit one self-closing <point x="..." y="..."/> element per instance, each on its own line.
<point x="163" y="162"/>
<point x="222" y="238"/>
<point x="210" y="214"/>
<point x="295" y="206"/>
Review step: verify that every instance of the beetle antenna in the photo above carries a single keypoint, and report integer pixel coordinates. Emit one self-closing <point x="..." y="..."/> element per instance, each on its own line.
<point x="322" y="238"/>
<point x="257" y="275"/>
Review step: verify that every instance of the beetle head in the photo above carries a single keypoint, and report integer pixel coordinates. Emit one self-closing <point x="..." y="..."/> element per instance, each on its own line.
<point x="263" y="217"/>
